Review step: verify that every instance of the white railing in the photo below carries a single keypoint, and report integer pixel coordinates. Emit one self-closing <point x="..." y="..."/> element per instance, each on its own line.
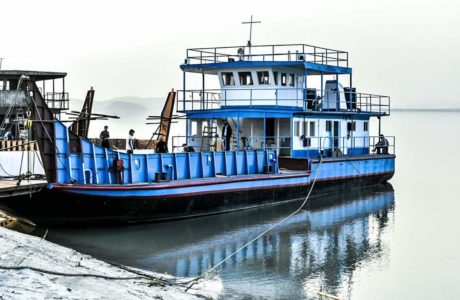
<point x="329" y="146"/>
<point x="190" y="100"/>
<point x="280" y="52"/>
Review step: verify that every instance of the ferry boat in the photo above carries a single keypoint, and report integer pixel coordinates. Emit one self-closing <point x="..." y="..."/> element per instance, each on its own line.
<point x="293" y="123"/>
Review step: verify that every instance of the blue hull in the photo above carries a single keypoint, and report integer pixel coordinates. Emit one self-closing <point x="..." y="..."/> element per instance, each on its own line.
<point x="77" y="204"/>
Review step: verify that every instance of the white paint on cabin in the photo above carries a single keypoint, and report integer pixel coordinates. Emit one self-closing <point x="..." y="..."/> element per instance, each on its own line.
<point x="322" y="135"/>
<point x="261" y="86"/>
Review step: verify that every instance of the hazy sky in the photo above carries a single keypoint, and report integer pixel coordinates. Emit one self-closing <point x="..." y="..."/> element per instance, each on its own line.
<point x="409" y="50"/>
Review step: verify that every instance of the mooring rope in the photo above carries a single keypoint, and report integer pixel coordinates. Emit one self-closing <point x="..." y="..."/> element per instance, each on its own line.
<point x="71" y="274"/>
<point x="194" y="280"/>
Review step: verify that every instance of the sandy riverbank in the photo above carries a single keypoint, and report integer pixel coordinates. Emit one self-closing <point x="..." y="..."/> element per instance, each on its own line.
<point x="21" y="250"/>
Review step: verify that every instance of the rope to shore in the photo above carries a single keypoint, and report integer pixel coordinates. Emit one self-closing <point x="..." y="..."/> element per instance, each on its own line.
<point x="71" y="274"/>
<point x="194" y="280"/>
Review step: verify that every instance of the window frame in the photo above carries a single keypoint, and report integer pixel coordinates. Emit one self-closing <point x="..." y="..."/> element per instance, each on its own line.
<point x="296" y="128"/>
<point x="305" y="128"/>
<point x="328" y="125"/>
<point x="275" y="77"/>
<point x="224" y="79"/>
<point x="312" y="128"/>
<point x="248" y="75"/>
<point x="263" y="80"/>
<point x="285" y="78"/>
<point x="291" y="79"/>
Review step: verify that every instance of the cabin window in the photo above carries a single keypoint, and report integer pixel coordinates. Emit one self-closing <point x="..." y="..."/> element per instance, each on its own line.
<point x="275" y="76"/>
<point x="194" y="128"/>
<point x="305" y="128"/>
<point x="291" y="80"/>
<point x="5" y="85"/>
<point x="245" y="78"/>
<point x="283" y="79"/>
<point x="351" y="126"/>
<point x="328" y="126"/>
<point x="297" y="128"/>
<point x="366" y="126"/>
<point x="263" y="77"/>
<point x="227" y="78"/>
<point x="312" y="129"/>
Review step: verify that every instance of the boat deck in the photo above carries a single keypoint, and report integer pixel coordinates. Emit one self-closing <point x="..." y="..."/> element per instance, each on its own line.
<point x="10" y="188"/>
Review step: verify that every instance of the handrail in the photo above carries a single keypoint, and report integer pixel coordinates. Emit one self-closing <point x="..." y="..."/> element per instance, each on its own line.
<point x="57" y="100"/>
<point x="279" y="52"/>
<point x="324" y="145"/>
<point x="342" y="145"/>
<point x="189" y="100"/>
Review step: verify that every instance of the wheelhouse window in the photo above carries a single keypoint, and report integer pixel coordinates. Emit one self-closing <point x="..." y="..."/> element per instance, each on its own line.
<point x="312" y="129"/>
<point x="297" y="128"/>
<point x="291" y="79"/>
<point x="245" y="78"/>
<point x="263" y="77"/>
<point x="366" y="126"/>
<point x="275" y="76"/>
<point x="227" y="78"/>
<point x="283" y="79"/>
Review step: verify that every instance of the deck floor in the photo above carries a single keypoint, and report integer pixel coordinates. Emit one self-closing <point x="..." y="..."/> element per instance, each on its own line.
<point x="9" y="187"/>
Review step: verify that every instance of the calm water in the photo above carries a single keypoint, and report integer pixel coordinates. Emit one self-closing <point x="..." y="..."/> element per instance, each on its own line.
<point x="398" y="241"/>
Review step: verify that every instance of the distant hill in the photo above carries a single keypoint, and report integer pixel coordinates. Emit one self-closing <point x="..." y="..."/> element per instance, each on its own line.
<point x="132" y="112"/>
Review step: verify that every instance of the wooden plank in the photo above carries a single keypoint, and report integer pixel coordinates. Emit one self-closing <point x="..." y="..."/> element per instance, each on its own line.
<point x="9" y="188"/>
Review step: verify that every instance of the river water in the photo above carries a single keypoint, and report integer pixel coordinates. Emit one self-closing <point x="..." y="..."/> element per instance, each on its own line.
<point x="395" y="241"/>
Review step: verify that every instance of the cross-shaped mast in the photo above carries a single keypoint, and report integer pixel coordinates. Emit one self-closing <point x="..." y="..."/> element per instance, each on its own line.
<point x="250" y="30"/>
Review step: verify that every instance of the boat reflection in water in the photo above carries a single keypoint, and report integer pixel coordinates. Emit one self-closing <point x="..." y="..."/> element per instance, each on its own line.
<point x="319" y="248"/>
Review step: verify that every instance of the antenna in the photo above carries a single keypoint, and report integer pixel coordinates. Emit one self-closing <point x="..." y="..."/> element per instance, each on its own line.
<point x="250" y="30"/>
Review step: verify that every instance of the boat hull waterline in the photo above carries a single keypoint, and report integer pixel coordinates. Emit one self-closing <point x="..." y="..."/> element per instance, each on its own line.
<point x="61" y="204"/>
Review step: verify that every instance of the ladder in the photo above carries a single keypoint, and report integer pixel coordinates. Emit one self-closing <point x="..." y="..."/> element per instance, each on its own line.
<point x="6" y="120"/>
<point x="209" y="132"/>
<point x="21" y="130"/>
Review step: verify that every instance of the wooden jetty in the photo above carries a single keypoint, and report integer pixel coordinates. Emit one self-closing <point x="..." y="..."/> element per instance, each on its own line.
<point x="9" y="188"/>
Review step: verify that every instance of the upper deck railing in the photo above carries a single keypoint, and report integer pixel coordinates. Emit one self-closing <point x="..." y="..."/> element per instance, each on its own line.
<point x="192" y="100"/>
<point x="281" y="52"/>
<point x="57" y="100"/>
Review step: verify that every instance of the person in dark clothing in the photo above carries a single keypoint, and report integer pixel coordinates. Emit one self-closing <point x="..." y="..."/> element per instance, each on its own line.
<point x="226" y="135"/>
<point x="8" y="136"/>
<point x="188" y="148"/>
<point x="161" y="147"/>
<point x="382" y="146"/>
<point x="130" y="142"/>
<point x="104" y="136"/>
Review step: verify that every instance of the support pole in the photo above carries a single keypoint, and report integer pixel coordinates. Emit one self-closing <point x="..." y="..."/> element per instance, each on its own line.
<point x="265" y="131"/>
<point x="337" y="105"/>
<point x="202" y="90"/>
<point x="305" y="92"/>
<point x="183" y="91"/>
<point x="351" y="92"/>
<point x="322" y="90"/>
<point x="238" y="132"/>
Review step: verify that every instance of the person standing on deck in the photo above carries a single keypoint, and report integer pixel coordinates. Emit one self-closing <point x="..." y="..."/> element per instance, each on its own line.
<point x="226" y="135"/>
<point x="161" y="147"/>
<point x="104" y="136"/>
<point x="130" y="142"/>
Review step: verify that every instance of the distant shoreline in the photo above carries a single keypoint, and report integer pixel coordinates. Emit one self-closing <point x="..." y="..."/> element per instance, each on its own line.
<point x="427" y="109"/>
